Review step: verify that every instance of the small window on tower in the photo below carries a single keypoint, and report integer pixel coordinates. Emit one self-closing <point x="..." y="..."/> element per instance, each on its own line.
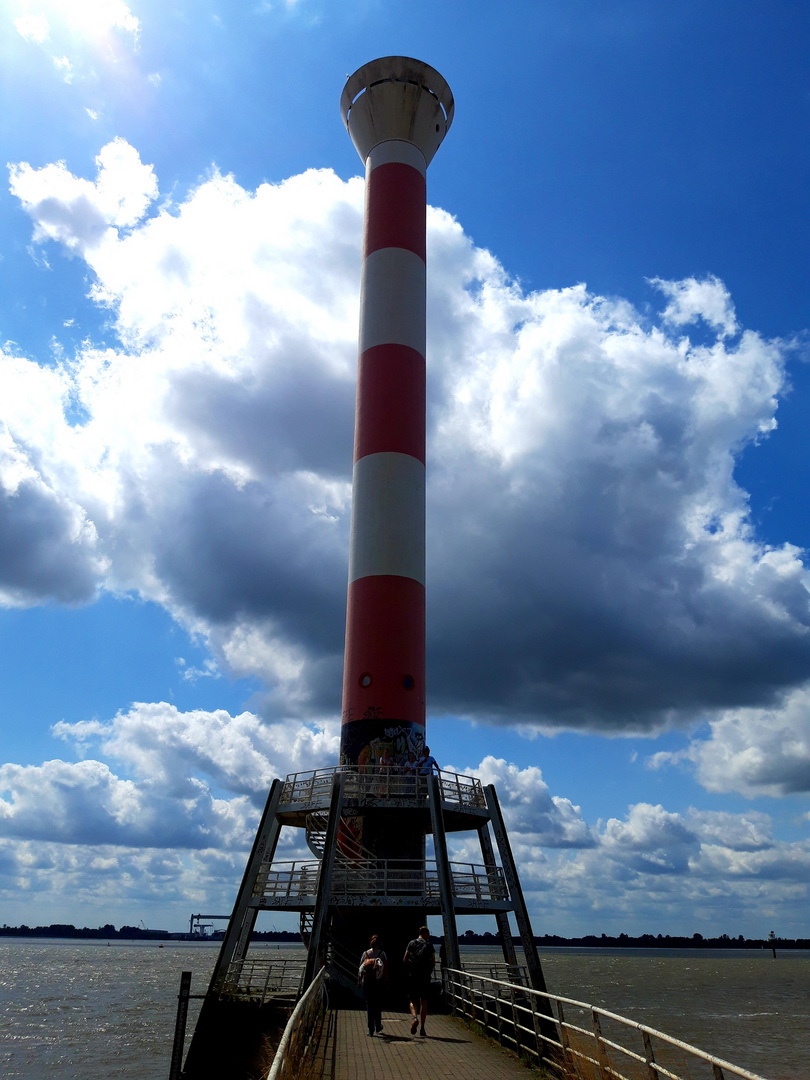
<point x="365" y="679"/>
<point x="408" y="682"/>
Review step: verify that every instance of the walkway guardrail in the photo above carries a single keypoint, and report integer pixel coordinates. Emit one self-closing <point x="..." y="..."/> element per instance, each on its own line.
<point x="373" y="782"/>
<point x="290" y="882"/>
<point x="592" y="1043"/>
<point x="297" y="1050"/>
<point x="516" y="974"/>
<point x="264" y="979"/>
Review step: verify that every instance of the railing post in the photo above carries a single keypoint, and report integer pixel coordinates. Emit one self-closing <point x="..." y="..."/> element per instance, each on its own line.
<point x="512" y="1006"/>
<point x="649" y="1057"/>
<point x="566" y="1042"/>
<point x="601" y="1049"/>
<point x="180" y="1025"/>
<point x="496" y="994"/>
<point x="539" y="1045"/>
<point x="718" y="1072"/>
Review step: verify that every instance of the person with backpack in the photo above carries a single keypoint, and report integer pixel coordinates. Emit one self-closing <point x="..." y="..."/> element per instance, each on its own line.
<point x="419" y="961"/>
<point x="372" y="978"/>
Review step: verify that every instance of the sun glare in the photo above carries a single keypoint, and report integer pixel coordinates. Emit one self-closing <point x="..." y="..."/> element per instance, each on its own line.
<point x="88" y="18"/>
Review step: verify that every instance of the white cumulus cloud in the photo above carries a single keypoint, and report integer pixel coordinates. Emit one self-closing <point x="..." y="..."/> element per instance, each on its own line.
<point x="85" y="803"/>
<point x="195" y="780"/>
<point x="32" y="27"/>
<point x="591" y="557"/>
<point x="528" y="806"/>
<point x="240" y="754"/>
<point x="753" y="751"/>
<point x="80" y="213"/>
<point x="692" y="299"/>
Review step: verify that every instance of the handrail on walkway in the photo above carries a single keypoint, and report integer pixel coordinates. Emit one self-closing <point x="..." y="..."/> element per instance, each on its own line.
<point x="515" y="1014"/>
<point x="302" y="1033"/>
<point x="381" y="782"/>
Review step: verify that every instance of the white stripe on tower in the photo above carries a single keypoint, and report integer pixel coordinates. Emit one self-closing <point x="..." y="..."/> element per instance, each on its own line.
<point x="384" y="672"/>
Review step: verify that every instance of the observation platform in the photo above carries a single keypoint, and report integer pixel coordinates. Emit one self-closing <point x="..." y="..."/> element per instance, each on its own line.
<point x="293" y="886"/>
<point x="463" y="803"/>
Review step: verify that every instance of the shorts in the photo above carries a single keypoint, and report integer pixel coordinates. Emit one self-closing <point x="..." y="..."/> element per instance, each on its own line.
<point x="418" y="987"/>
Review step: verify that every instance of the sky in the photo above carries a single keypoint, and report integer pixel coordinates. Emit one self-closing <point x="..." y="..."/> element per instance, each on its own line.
<point x="618" y="457"/>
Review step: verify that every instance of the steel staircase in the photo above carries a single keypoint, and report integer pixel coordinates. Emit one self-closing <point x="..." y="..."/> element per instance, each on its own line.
<point x="349" y="848"/>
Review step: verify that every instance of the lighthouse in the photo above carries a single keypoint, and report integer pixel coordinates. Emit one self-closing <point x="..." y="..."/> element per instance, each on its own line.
<point x="397" y="112"/>
<point x="365" y="820"/>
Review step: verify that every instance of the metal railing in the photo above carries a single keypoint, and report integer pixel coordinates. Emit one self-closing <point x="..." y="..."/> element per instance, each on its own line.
<point x="287" y="880"/>
<point x="297" y="1051"/>
<point x="516" y="974"/>
<point x="465" y="791"/>
<point x="372" y="783"/>
<point x="472" y="880"/>
<point x="292" y="881"/>
<point x="264" y="979"/>
<point x="589" y="1043"/>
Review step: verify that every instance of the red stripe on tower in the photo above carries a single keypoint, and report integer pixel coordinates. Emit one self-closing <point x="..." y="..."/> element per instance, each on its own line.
<point x="397" y="112"/>
<point x="396" y="198"/>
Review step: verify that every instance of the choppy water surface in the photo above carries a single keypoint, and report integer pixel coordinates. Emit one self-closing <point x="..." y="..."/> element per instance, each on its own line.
<point x="743" y="1006"/>
<point x="88" y="1011"/>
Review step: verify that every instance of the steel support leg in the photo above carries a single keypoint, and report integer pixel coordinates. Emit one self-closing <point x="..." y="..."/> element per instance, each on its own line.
<point x="547" y="1025"/>
<point x="515" y="891"/>
<point x="243" y="919"/>
<point x="445" y="876"/>
<point x="324" y="880"/>
<point x="501" y="917"/>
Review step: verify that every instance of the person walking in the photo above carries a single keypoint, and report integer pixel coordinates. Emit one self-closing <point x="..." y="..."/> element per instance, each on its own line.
<point x="419" y="961"/>
<point x="372" y="978"/>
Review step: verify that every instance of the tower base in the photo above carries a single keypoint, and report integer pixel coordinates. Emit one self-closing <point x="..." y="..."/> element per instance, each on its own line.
<point x="345" y="894"/>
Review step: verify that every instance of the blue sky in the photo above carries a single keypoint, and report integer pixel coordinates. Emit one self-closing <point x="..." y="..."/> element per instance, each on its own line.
<point x="618" y="592"/>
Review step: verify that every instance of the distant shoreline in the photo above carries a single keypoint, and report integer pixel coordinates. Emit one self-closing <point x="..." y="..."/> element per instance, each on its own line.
<point x="589" y="941"/>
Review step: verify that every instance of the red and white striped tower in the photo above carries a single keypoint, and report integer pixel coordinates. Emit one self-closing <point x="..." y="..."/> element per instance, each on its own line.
<point x="397" y="111"/>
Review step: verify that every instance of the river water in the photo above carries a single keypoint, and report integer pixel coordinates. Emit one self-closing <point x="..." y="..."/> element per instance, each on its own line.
<point x="91" y="1011"/>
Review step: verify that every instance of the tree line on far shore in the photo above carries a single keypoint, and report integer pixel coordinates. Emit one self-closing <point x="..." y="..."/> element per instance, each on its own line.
<point x="590" y="941"/>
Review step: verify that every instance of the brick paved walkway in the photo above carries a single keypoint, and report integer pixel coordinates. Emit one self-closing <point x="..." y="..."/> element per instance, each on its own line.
<point x="449" y="1052"/>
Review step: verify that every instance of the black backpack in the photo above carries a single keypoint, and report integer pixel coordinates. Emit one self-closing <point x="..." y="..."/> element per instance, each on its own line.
<point x="419" y="957"/>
